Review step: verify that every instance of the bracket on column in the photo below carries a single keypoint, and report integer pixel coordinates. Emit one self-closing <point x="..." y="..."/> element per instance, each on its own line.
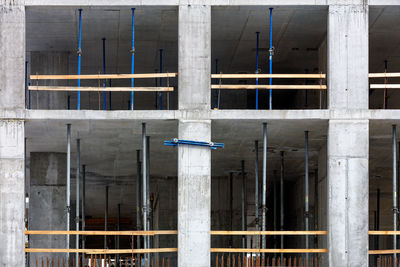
<point x="176" y="141"/>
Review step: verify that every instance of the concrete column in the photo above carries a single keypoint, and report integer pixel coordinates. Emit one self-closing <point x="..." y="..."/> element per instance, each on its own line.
<point x="48" y="62"/>
<point x="12" y="74"/>
<point x="194" y="163"/>
<point x="47" y="201"/>
<point x="348" y="140"/>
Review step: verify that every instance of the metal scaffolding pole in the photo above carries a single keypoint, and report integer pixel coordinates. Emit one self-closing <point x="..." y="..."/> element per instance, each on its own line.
<point x="144" y="184"/>
<point x="78" y="173"/>
<point x="282" y="217"/>
<point x="138" y="197"/>
<point x="275" y="209"/>
<point x="106" y="218"/>
<point x="306" y="193"/>
<point x="231" y="207"/>
<point x="394" y="190"/>
<point x="244" y="212"/>
<point x="264" y="185"/>
<point x="316" y="206"/>
<point x="83" y="207"/>
<point x="149" y="227"/>
<point x="68" y="183"/>
<point x="256" y="191"/>
<point x="118" y="229"/>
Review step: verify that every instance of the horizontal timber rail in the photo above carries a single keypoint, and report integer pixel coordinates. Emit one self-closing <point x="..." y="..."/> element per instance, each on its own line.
<point x="101" y="89"/>
<point x="101" y="251"/>
<point x="265" y="86"/>
<point x="267" y="250"/>
<point x="265" y="76"/>
<point x="102" y="233"/>
<point x="269" y="232"/>
<point x="103" y="76"/>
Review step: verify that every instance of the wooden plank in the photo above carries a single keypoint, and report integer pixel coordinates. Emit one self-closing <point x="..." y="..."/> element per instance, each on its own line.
<point x="103" y="76"/>
<point x="269" y="232"/>
<point x="101" y="89"/>
<point x="384" y="75"/>
<point x="384" y="86"/>
<point x="100" y="251"/>
<point x="266" y="86"/>
<point x="267" y="250"/>
<point x="264" y="76"/>
<point x="384" y="251"/>
<point x="384" y="232"/>
<point x="128" y="233"/>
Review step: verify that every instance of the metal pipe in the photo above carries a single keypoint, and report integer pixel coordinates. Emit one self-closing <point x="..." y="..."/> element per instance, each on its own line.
<point x="386" y="80"/>
<point x="79" y="58"/>
<point x="231" y="207"/>
<point x="378" y="210"/>
<point x="133" y="59"/>
<point x="306" y="192"/>
<point x="83" y="204"/>
<point x="256" y="190"/>
<point x="155" y="93"/>
<point x="138" y="197"/>
<point x="264" y="185"/>
<point x="159" y="93"/>
<point x="257" y="68"/>
<point x="149" y="227"/>
<point x="118" y="229"/>
<point x="104" y="72"/>
<point x="68" y="183"/>
<point x="244" y="200"/>
<point x="144" y="184"/>
<point x="316" y="206"/>
<point x="275" y="208"/>
<point x="78" y="173"/>
<point x="271" y="53"/>
<point x="106" y="218"/>
<point x="306" y="91"/>
<point x="282" y="219"/>
<point x="394" y="190"/>
<point x="216" y="92"/>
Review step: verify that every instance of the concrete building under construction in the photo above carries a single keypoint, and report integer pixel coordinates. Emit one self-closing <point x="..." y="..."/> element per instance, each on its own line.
<point x="201" y="133"/>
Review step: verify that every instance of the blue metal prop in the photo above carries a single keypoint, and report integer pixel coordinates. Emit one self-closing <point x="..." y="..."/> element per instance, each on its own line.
<point x="211" y="145"/>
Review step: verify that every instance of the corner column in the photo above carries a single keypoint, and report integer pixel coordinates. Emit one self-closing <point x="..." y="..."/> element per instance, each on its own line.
<point x="348" y="139"/>
<point x="12" y="77"/>
<point x="194" y="163"/>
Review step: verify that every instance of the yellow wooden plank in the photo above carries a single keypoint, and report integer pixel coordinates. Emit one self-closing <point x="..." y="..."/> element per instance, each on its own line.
<point x="385" y="251"/>
<point x="384" y="86"/>
<point x="269" y="232"/>
<point x="103" y="76"/>
<point x="129" y="233"/>
<point x="100" y="251"/>
<point x="384" y="232"/>
<point x="267" y="250"/>
<point x="101" y="89"/>
<point x="264" y="76"/>
<point x="384" y="75"/>
<point x="265" y="86"/>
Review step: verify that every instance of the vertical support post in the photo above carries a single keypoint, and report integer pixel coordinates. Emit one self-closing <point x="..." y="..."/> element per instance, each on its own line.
<point x="256" y="191"/>
<point x="282" y="197"/>
<point x="306" y="91"/>
<point x="155" y="93"/>
<point x="138" y="197"/>
<point x="231" y="207"/>
<point x="106" y="218"/>
<point x="385" y="97"/>
<point x="68" y="183"/>
<point x="257" y="67"/>
<point x="275" y="208"/>
<point x="144" y="186"/>
<point x="104" y="72"/>
<point x="244" y="203"/>
<point x="118" y="229"/>
<point x="78" y="167"/>
<point x="316" y="206"/>
<point x="264" y="185"/>
<point x="306" y="193"/>
<point x="394" y="147"/>
<point x="79" y="58"/>
<point x="159" y="93"/>
<point x="216" y="92"/>
<point x="133" y="59"/>
<point x="149" y="209"/>
<point x="271" y="53"/>
<point x="26" y="82"/>
<point x="83" y="205"/>
<point x="378" y="212"/>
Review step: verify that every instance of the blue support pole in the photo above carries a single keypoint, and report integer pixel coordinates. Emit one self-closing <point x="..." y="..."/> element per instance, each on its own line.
<point x="133" y="57"/>
<point x="306" y="93"/>
<point x="271" y="52"/>
<point x="159" y="93"/>
<point x="258" y="40"/>
<point x="79" y="58"/>
<point x="26" y="82"/>
<point x="155" y="95"/>
<point x="104" y="72"/>
<point x="109" y="96"/>
<point x="386" y="95"/>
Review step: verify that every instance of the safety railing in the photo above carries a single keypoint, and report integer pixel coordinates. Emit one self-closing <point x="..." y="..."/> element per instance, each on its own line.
<point x="34" y="84"/>
<point x="385" y="85"/>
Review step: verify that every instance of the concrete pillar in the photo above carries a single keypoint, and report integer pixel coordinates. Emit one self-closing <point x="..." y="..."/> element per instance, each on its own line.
<point x="348" y="140"/>
<point x="48" y="62"/>
<point x="47" y="201"/>
<point x="194" y="163"/>
<point x="12" y="59"/>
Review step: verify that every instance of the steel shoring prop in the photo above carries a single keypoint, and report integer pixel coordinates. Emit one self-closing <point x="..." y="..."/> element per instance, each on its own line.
<point x="395" y="211"/>
<point x="244" y="213"/>
<point x="68" y="197"/>
<point x="256" y="192"/>
<point x="231" y="207"/>
<point x="257" y="67"/>
<point x="271" y="53"/>
<point x="83" y="206"/>
<point x="144" y="186"/>
<point x="133" y="59"/>
<point x="138" y="197"/>
<point x="282" y="209"/>
<point x="78" y="165"/>
<point x="79" y="58"/>
<point x="155" y="93"/>
<point x="149" y="243"/>
<point x="118" y="229"/>
<point x="264" y="186"/>
<point x="159" y="93"/>
<point x="306" y="193"/>
<point x="211" y="145"/>
<point x="216" y="92"/>
<point x="385" y="94"/>
<point x="104" y="72"/>
<point x="106" y="217"/>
